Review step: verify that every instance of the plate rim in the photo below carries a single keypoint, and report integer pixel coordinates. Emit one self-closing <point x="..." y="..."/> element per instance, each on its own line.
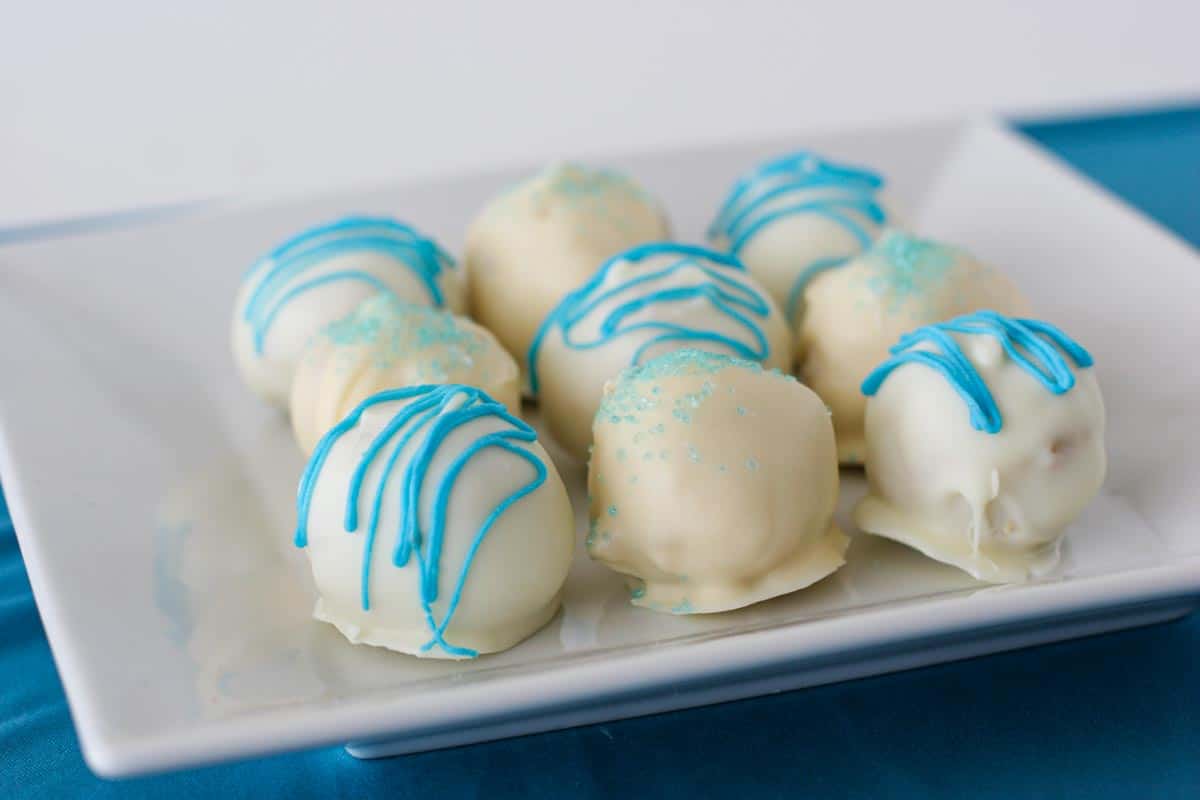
<point x="370" y="716"/>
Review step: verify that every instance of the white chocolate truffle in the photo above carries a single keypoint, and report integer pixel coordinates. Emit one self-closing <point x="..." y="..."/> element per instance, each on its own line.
<point x="435" y="524"/>
<point x="793" y="217"/>
<point x="641" y="304"/>
<point x="546" y="236"/>
<point x="985" y="439"/>
<point x="388" y="344"/>
<point x="321" y="275"/>
<point x="852" y="314"/>
<point x="713" y="484"/>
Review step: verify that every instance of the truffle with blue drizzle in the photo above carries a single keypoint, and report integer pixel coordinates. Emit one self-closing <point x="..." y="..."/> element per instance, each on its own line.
<point x="795" y="216"/>
<point x="639" y="304"/>
<point x="386" y="344"/>
<point x="985" y="439"/>
<point x="321" y="275"/>
<point x="545" y="236"/>
<point x="713" y="484"/>
<point x="854" y="313"/>
<point x="435" y="524"/>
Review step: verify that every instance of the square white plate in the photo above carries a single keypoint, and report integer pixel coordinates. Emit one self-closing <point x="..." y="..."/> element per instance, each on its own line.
<point x="153" y="495"/>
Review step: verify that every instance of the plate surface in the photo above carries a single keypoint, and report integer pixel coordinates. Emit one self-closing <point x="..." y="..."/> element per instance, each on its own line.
<point x="153" y="496"/>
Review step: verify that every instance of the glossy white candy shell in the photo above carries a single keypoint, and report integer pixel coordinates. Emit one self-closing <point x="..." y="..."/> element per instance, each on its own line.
<point x="531" y="245"/>
<point x="719" y="493"/>
<point x="513" y="585"/>
<point x="783" y="250"/>
<point x="270" y="372"/>
<point x="571" y="379"/>
<point x="331" y="379"/>
<point x="847" y="324"/>
<point x="995" y="505"/>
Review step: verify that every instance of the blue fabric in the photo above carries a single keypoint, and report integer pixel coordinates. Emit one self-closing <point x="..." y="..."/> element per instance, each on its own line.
<point x="1112" y="716"/>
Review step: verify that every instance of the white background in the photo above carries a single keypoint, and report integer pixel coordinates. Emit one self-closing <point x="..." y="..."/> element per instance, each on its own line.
<point x="117" y="105"/>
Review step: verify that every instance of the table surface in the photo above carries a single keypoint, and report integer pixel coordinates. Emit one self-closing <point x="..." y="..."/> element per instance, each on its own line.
<point x="1116" y="715"/>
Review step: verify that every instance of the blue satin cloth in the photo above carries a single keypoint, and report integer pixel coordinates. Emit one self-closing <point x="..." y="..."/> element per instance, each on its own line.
<point x="1110" y="716"/>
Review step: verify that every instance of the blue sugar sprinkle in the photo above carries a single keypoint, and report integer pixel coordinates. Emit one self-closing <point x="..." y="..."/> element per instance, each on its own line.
<point x="397" y="331"/>
<point x="907" y="267"/>
<point x="629" y="387"/>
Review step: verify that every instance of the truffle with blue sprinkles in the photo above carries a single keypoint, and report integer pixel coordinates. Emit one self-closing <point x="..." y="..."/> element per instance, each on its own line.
<point x="642" y="303"/>
<point x="321" y="275"/>
<point x="545" y="236"/>
<point x="854" y="313"/>
<point x="435" y="524"/>
<point x="797" y="215"/>
<point x="713" y="484"/>
<point x="386" y="344"/>
<point x="984" y="440"/>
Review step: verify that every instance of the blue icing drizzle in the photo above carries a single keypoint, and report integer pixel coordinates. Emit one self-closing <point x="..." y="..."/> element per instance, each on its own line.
<point x="1036" y="347"/>
<point x="433" y="413"/>
<point x="734" y="298"/>
<point x="280" y="273"/>
<point x="846" y="195"/>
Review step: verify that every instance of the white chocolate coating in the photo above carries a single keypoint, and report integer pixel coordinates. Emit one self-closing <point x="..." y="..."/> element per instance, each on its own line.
<point x="792" y="216"/>
<point x="854" y="313"/>
<point x="713" y="484"/>
<point x="994" y="504"/>
<point x="511" y="586"/>
<point x="646" y="302"/>
<point x="776" y="257"/>
<point x="322" y="275"/>
<point x="386" y="344"/>
<point x="544" y="237"/>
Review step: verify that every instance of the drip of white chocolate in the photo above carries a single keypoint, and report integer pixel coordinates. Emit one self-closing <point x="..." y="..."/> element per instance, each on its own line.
<point x="995" y="504"/>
